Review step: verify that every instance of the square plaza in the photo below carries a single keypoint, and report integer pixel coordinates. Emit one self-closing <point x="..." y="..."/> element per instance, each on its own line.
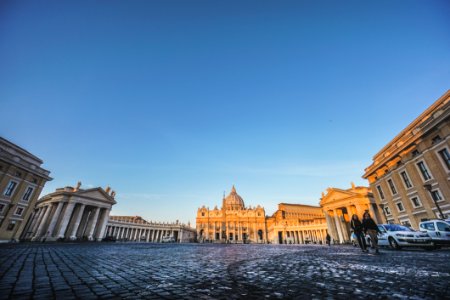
<point x="215" y="271"/>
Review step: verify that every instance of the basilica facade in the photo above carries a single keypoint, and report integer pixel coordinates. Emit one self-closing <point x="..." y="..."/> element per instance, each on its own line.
<point x="232" y="223"/>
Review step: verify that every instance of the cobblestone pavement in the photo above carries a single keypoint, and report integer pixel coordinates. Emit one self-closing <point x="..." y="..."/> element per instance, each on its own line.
<point x="211" y="271"/>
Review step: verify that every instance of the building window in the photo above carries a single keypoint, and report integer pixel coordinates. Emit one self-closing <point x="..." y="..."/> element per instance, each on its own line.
<point x="445" y="155"/>
<point x="392" y="186"/>
<point x="19" y="211"/>
<point x="406" y="179"/>
<point x="416" y="202"/>
<point x="400" y="206"/>
<point x="380" y="192"/>
<point x="406" y="223"/>
<point x="387" y="210"/>
<point x="10" y="188"/>
<point x="27" y="194"/>
<point x="436" y="195"/>
<point x="423" y="169"/>
<point x="2" y="206"/>
<point x="11" y="226"/>
<point x="436" y="139"/>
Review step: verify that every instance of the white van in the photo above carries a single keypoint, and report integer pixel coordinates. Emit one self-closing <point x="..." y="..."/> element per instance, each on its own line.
<point x="438" y="230"/>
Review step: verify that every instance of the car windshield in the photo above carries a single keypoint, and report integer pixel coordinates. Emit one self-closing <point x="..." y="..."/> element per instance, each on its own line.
<point x="394" y="227"/>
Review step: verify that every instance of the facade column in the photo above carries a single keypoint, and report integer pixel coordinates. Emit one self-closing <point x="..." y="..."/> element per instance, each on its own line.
<point x="331" y="226"/>
<point x="39" y="216"/>
<point x="73" y="235"/>
<point x="254" y="233"/>
<point x="93" y="224"/>
<point x="215" y="232"/>
<point x="239" y="232"/>
<point x="42" y="223"/>
<point x="55" y="218"/>
<point x="226" y="231"/>
<point x="102" y="224"/>
<point x="338" y="226"/>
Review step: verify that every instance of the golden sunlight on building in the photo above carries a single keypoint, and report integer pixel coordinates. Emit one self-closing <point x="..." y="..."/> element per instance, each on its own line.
<point x="410" y="175"/>
<point x="339" y="206"/>
<point x="297" y="224"/>
<point x="232" y="223"/>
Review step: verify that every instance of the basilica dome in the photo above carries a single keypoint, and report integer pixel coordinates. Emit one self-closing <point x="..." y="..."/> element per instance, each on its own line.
<point x="233" y="201"/>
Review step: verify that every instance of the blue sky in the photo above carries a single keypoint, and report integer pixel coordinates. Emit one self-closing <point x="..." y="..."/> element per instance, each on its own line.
<point x="172" y="102"/>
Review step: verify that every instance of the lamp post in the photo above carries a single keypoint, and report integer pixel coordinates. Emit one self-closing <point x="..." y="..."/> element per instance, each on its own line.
<point x="428" y="188"/>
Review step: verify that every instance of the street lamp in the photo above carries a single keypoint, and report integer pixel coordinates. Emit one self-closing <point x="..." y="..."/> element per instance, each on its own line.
<point x="428" y="188"/>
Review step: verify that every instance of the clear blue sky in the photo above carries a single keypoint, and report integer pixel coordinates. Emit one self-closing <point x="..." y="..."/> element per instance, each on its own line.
<point x="172" y="102"/>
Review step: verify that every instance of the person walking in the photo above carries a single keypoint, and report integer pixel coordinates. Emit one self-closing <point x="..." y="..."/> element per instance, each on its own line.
<point x="371" y="228"/>
<point x="328" y="238"/>
<point x="357" y="228"/>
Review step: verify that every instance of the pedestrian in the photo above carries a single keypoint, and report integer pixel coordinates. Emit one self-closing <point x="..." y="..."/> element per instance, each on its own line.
<point x="328" y="238"/>
<point x="357" y="228"/>
<point x="371" y="228"/>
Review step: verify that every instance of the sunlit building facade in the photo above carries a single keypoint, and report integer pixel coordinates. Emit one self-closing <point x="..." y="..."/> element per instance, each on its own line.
<point x="410" y="175"/>
<point x="297" y="224"/>
<point x="339" y="205"/>
<point x="232" y="223"/>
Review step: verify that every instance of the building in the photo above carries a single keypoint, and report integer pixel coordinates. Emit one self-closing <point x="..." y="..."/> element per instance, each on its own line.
<point x="410" y="175"/>
<point x="21" y="181"/>
<point x="71" y="213"/>
<point x="297" y="224"/>
<point x="136" y="229"/>
<point x="232" y="223"/>
<point x="339" y="205"/>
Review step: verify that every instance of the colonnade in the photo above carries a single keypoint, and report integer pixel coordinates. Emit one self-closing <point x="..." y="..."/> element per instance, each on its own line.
<point x="142" y="234"/>
<point x="338" y="220"/>
<point x="67" y="220"/>
<point x="232" y="231"/>
<point x="316" y="236"/>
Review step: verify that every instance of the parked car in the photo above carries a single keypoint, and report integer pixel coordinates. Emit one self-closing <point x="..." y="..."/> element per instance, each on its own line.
<point x="398" y="236"/>
<point x="438" y="230"/>
<point x="168" y="239"/>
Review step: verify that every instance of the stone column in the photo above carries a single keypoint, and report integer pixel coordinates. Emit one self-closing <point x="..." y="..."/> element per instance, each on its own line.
<point x="215" y="234"/>
<point x="55" y="218"/>
<point x="93" y="224"/>
<point x="226" y="231"/>
<point x="41" y="228"/>
<point x="102" y="224"/>
<point x="73" y="235"/>
<point x="255" y="233"/>
<point x="338" y="226"/>
<point x="40" y="214"/>
<point x="181" y="234"/>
